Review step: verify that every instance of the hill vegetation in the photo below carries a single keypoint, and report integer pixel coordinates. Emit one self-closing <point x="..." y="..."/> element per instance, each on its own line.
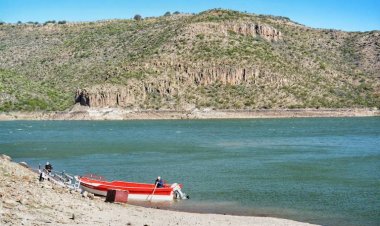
<point x="218" y="58"/>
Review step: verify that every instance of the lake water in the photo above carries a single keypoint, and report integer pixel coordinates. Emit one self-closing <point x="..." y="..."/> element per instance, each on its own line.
<point x="317" y="170"/>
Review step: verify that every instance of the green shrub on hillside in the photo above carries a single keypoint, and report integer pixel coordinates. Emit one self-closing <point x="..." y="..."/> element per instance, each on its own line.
<point x="137" y="17"/>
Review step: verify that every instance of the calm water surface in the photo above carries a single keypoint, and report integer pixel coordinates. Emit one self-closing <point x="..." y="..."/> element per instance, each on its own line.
<point x="320" y="170"/>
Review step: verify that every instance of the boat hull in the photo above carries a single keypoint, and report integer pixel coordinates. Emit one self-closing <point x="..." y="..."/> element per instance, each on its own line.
<point x="136" y="191"/>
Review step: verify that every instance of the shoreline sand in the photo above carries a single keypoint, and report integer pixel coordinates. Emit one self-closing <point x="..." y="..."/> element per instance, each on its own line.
<point x="26" y="201"/>
<point x="86" y="113"/>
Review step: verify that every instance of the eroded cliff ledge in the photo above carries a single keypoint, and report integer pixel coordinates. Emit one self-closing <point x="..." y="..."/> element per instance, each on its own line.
<point x="182" y="79"/>
<point x="243" y="28"/>
<point x="108" y="95"/>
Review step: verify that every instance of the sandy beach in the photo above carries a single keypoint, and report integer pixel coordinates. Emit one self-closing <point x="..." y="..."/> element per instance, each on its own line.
<point x="86" y="113"/>
<point x="26" y="201"/>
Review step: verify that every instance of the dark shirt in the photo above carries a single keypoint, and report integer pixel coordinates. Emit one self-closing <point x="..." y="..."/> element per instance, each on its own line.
<point x="48" y="167"/>
<point x="160" y="183"/>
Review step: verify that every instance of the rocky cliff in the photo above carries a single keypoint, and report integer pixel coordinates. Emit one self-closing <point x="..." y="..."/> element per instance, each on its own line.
<point x="243" y="28"/>
<point x="203" y="75"/>
<point x="109" y="96"/>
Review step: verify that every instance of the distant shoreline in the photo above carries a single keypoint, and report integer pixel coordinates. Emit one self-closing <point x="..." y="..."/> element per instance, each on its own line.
<point x="86" y="113"/>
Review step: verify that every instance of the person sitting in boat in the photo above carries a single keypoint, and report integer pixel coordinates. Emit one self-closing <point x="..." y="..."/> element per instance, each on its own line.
<point x="48" y="167"/>
<point x="159" y="182"/>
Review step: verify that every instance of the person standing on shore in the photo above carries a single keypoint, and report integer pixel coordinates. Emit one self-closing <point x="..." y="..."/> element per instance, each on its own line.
<point x="48" y="167"/>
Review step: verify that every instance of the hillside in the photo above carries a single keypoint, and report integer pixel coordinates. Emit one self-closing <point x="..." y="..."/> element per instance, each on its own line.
<point x="216" y="59"/>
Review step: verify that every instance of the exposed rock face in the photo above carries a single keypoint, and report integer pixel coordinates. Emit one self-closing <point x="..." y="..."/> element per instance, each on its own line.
<point x="244" y="28"/>
<point x="204" y="74"/>
<point x="264" y="31"/>
<point x="185" y="77"/>
<point x="369" y="47"/>
<point x="109" y="95"/>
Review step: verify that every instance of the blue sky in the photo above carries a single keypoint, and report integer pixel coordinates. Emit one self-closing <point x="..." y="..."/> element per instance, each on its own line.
<point x="348" y="15"/>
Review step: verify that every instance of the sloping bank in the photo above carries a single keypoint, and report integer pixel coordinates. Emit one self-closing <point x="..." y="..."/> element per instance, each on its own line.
<point x="86" y="113"/>
<point x="26" y="201"/>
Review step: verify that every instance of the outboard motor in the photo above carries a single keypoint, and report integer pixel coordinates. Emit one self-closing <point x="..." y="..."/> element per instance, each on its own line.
<point x="178" y="194"/>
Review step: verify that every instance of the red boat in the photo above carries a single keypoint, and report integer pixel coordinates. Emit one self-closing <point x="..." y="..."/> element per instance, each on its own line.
<point x="136" y="191"/>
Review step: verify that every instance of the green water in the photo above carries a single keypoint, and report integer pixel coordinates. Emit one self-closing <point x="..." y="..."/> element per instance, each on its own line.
<point x="322" y="170"/>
